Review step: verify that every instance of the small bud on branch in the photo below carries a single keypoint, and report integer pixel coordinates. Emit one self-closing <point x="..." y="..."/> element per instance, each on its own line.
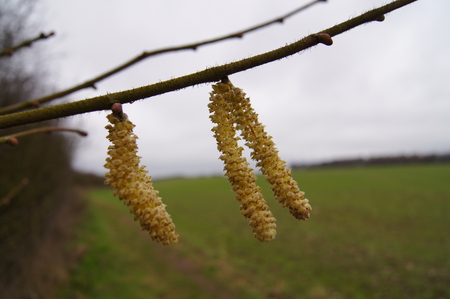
<point x="325" y="39"/>
<point x="12" y="141"/>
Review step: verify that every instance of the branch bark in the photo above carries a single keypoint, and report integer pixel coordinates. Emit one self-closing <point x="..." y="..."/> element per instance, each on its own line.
<point x="209" y="75"/>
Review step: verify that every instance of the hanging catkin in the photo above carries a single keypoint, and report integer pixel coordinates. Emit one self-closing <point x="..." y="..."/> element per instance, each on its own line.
<point x="240" y="175"/>
<point x="131" y="182"/>
<point x="285" y="188"/>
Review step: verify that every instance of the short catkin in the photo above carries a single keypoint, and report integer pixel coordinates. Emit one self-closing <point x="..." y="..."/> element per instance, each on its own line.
<point x="132" y="184"/>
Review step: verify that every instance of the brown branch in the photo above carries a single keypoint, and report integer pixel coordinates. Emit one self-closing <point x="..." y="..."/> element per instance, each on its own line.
<point x="27" y="43"/>
<point x="209" y="75"/>
<point x="91" y="83"/>
<point x="12" y="139"/>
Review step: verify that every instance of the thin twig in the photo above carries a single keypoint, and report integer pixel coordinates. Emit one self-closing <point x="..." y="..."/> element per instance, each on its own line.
<point x="5" y="200"/>
<point x="91" y="83"/>
<point x="27" y="43"/>
<point x="209" y="75"/>
<point x="12" y="139"/>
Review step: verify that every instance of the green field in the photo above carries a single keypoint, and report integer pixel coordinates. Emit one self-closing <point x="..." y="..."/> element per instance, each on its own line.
<point x="375" y="232"/>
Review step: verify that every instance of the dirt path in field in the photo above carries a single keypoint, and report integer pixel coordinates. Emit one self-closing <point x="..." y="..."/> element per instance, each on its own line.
<point x="193" y="270"/>
<point x="187" y="267"/>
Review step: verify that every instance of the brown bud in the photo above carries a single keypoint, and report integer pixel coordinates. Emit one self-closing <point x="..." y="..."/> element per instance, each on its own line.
<point x="325" y="39"/>
<point x="12" y="141"/>
<point x="35" y="104"/>
<point x="116" y="108"/>
<point x="380" y="18"/>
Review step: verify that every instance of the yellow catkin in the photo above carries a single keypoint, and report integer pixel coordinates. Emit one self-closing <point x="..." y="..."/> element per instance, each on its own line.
<point x="285" y="188"/>
<point x="240" y="175"/>
<point x="132" y="184"/>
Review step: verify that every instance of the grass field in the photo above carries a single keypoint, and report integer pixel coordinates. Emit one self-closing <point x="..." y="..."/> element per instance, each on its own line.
<point x="375" y="232"/>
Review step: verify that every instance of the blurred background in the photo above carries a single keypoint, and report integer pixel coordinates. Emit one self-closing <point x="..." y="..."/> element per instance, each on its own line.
<point x="380" y="89"/>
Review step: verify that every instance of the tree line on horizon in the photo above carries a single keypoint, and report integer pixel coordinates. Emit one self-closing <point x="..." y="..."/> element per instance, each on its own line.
<point x="380" y="160"/>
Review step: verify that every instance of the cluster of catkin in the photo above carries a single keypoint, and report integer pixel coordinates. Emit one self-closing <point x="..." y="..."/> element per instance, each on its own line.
<point x="231" y="112"/>
<point x="131" y="182"/>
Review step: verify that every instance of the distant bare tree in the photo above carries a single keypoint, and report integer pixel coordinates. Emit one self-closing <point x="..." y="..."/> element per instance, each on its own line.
<point x="35" y="177"/>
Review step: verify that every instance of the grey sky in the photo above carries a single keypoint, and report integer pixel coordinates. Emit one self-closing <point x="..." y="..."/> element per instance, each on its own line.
<point x="381" y="88"/>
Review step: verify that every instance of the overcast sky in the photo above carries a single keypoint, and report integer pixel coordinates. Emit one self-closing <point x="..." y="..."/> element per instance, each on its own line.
<point x="380" y="89"/>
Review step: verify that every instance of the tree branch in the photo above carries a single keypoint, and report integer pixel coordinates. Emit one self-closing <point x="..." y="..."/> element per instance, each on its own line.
<point x="12" y="139"/>
<point x="209" y="75"/>
<point x="91" y="83"/>
<point x="5" y="200"/>
<point x="27" y="43"/>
